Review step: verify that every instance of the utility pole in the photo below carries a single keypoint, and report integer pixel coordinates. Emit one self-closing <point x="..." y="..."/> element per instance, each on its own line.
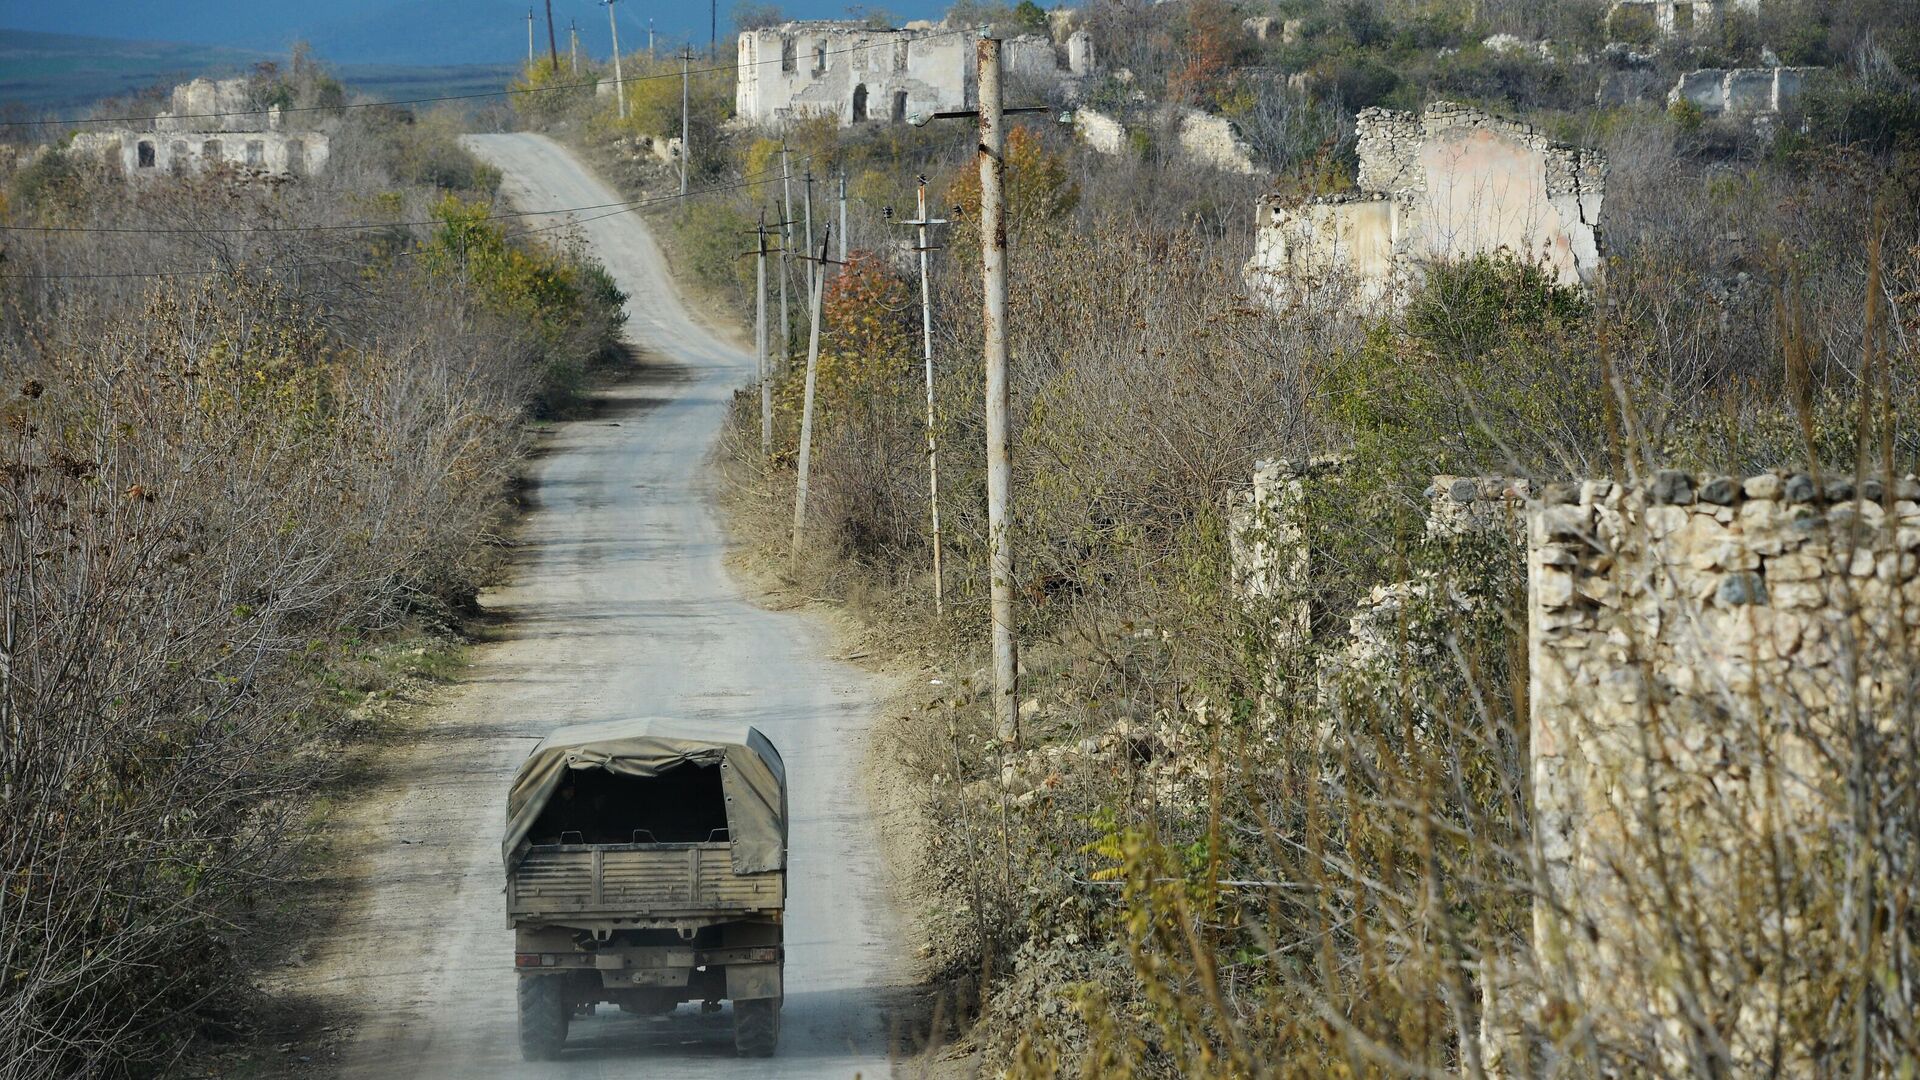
<point x="713" y="27"/>
<point x="760" y="342"/>
<point x="649" y="39"/>
<point x="813" y="270"/>
<point x="806" y="410"/>
<point x="843" y="216"/>
<point x="553" y="51"/>
<point x="619" y="81"/>
<point x="922" y="222"/>
<point x="529" y="39"/>
<point x="686" y="58"/>
<point x="573" y="45"/>
<point x="993" y="262"/>
<point x="786" y="257"/>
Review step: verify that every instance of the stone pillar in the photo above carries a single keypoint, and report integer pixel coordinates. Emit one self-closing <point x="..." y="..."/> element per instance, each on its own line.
<point x="1080" y="58"/>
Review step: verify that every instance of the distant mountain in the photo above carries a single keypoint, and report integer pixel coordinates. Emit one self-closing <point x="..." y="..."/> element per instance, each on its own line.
<point x="69" y="72"/>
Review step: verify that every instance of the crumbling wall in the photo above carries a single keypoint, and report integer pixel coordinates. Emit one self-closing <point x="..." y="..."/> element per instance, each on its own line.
<point x="1211" y="140"/>
<point x="1710" y="657"/>
<point x="1740" y="91"/>
<point x="1675" y="18"/>
<point x="858" y="74"/>
<point x="1102" y="133"/>
<point x="1455" y="182"/>
<point x="143" y="154"/>
<point x="210" y="105"/>
<point x="851" y="72"/>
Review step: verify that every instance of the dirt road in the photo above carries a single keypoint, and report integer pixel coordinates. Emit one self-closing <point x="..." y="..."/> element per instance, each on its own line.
<point x="620" y="605"/>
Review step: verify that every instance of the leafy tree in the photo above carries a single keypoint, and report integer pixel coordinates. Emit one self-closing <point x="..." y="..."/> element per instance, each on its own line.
<point x="1029" y="17"/>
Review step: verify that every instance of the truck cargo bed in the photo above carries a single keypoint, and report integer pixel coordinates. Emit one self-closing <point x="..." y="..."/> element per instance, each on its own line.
<point x="625" y="880"/>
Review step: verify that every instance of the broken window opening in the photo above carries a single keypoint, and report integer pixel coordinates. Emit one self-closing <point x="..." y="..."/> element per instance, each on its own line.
<point x="787" y="61"/>
<point x="297" y="157"/>
<point x="212" y="150"/>
<point x="684" y="805"/>
<point x="256" y="152"/>
<point x="860" y="103"/>
<point x="820" y="58"/>
<point x="177" y="155"/>
<point x="144" y="154"/>
<point x="899" y="106"/>
<point x="1682" y="18"/>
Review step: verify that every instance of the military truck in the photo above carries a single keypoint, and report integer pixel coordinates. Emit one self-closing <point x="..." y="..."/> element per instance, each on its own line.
<point x="646" y="867"/>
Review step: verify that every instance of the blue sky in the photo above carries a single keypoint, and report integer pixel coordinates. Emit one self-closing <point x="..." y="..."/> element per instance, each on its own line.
<point x="398" y="31"/>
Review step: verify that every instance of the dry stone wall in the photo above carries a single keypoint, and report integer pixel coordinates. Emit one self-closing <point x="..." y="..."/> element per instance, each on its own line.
<point x="1710" y="658"/>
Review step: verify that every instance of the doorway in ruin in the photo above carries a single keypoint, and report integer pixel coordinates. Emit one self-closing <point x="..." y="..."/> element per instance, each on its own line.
<point x="297" y="157"/>
<point x="899" y="106"/>
<point x="860" y="103"/>
<point x="145" y="154"/>
<point x="177" y="157"/>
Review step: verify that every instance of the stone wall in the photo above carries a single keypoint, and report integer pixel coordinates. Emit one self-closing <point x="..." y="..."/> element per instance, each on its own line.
<point x="1740" y="91"/>
<point x="1675" y="18"/>
<point x="1446" y="184"/>
<point x="1707" y="657"/>
<point x="857" y="74"/>
<point x="851" y="72"/>
<point x="144" y="154"/>
<point x="1212" y="141"/>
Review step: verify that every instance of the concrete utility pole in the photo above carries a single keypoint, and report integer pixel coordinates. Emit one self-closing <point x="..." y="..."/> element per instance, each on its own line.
<point x="553" y="51"/>
<point x="760" y="341"/>
<point x="993" y="263"/>
<point x="649" y="39"/>
<point x="806" y="410"/>
<point x="573" y="45"/>
<point x="843" y="217"/>
<point x="529" y="39"/>
<point x="619" y="81"/>
<point x="814" y="270"/>
<point x="786" y="258"/>
<point x="686" y="58"/>
<point x="922" y="222"/>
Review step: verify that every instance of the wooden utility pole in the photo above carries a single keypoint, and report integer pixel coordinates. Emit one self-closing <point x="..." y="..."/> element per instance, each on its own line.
<point x="686" y="58"/>
<point x="923" y="223"/>
<point x="760" y="342"/>
<point x="573" y="45"/>
<point x="619" y="81"/>
<point x="806" y="409"/>
<point x="993" y="262"/>
<point x="553" y="50"/>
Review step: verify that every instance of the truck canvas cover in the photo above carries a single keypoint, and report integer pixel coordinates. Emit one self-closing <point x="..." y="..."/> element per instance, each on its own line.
<point x="751" y="774"/>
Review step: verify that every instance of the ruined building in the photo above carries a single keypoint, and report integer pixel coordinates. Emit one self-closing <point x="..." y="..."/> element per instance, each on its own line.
<point x="858" y="74"/>
<point x="1671" y="18"/>
<point x="210" y="124"/>
<point x="1447" y="184"/>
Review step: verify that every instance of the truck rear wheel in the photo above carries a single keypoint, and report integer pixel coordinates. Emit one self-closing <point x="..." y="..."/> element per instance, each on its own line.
<point x="543" y="1017"/>
<point x="756" y="1027"/>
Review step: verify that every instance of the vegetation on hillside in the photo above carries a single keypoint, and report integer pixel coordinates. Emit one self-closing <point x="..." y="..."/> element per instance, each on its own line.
<point x="238" y="456"/>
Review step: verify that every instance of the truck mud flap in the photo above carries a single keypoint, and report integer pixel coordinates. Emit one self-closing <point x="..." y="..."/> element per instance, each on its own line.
<point x="747" y="982"/>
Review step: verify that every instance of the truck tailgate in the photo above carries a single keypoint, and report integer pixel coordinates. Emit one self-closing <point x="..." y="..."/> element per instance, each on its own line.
<point x="636" y="879"/>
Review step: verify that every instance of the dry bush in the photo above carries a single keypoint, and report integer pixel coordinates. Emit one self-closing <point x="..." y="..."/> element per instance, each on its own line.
<point x="225" y="456"/>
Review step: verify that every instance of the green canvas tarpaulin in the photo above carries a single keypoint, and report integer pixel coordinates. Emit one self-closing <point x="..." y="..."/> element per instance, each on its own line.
<point x="751" y="774"/>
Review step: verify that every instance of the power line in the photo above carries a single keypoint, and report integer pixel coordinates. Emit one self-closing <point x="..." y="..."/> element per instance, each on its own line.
<point x="508" y="92"/>
<point x="625" y="208"/>
<point x="763" y="176"/>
